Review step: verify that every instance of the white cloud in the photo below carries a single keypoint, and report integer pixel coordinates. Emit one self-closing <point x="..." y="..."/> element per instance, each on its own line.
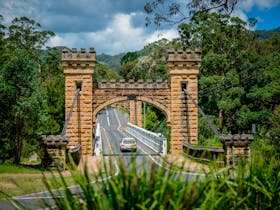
<point x="11" y="9"/>
<point x="261" y="4"/>
<point x="239" y="13"/>
<point x="244" y="6"/>
<point x="119" y="36"/>
<point x="168" y="34"/>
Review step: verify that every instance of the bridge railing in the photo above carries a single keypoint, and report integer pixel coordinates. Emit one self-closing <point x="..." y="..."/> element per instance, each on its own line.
<point x="204" y="153"/>
<point x="155" y="141"/>
<point x="98" y="149"/>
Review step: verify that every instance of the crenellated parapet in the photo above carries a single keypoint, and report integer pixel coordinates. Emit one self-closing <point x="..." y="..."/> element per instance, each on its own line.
<point x="73" y="59"/>
<point x="131" y="84"/>
<point x="186" y="59"/>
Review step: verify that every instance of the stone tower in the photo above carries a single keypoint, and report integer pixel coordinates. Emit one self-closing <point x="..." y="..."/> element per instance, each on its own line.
<point x="183" y="68"/>
<point x="78" y="69"/>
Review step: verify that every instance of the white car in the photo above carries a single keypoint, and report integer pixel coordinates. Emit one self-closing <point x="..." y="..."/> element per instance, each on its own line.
<point x="128" y="144"/>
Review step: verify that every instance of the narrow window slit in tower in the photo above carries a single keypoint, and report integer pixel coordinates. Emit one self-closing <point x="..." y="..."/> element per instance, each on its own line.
<point x="184" y="86"/>
<point x="79" y="85"/>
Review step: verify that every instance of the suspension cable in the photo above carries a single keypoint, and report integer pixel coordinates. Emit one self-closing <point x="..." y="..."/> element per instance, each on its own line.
<point x="70" y="112"/>
<point x="212" y="126"/>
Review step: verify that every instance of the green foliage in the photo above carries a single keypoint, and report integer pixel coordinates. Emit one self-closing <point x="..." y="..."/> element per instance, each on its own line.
<point x="206" y="137"/>
<point x="128" y="57"/>
<point x="150" y="119"/>
<point x="16" y="169"/>
<point x="23" y="102"/>
<point x="113" y="62"/>
<point x="266" y="34"/>
<point x="52" y="84"/>
<point x="26" y="91"/>
<point x="154" y="187"/>
<point x="238" y="75"/>
<point x="126" y="70"/>
<point x="102" y="72"/>
<point x="274" y="132"/>
<point x="155" y="121"/>
<point x="151" y="64"/>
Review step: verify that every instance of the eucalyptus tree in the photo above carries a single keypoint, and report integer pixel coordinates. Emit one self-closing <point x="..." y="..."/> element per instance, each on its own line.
<point x="103" y="72"/>
<point x="52" y="82"/>
<point x="226" y="46"/>
<point x="26" y="34"/>
<point x="238" y="82"/>
<point x="22" y="101"/>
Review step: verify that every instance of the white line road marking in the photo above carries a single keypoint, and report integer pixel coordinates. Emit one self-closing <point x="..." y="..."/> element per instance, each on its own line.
<point x="107" y="116"/>
<point x="168" y="169"/>
<point x="117" y="117"/>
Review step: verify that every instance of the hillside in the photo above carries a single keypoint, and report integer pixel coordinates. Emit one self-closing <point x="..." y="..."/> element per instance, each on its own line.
<point x="113" y="62"/>
<point x="265" y="34"/>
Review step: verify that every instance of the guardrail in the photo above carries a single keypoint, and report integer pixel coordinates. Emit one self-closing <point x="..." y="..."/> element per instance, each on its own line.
<point x="204" y="153"/>
<point x="155" y="141"/>
<point x="98" y="141"/>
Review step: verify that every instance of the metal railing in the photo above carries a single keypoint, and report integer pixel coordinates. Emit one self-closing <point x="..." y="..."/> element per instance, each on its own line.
<point x="155" y="141"/>
<point x="202" y="153"/>
<point x="98" y="148"/>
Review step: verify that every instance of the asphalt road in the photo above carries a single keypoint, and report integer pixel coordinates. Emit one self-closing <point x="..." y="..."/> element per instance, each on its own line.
<point x="111" y="122"/>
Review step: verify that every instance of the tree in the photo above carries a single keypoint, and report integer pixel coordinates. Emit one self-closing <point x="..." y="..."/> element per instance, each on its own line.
<point x="26" y="34"/>
<point x="128" y="57"/>
<point x="52" y="84"/>
<point x="159" y="11"/>
<point x="126" y="70"/>
<point x="23" y="102"/>
<point x="23" y="110"/>
<point x="152" y="63"/>
<point x="102" y="72"/>
<point x="238" y="82"/>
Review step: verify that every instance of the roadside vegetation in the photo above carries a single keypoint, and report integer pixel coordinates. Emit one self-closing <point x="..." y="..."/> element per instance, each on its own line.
<point x="247" y="186"/>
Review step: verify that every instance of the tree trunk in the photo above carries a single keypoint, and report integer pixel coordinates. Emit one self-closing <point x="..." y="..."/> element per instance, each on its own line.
<point x="18" y="143"/>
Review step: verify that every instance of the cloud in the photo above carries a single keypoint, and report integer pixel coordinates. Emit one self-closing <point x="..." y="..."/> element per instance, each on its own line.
<point x="247" y="5"/>
<point x="65" y="16"/>
<point x="111" y="26"/>
<point x="119" y="36"/>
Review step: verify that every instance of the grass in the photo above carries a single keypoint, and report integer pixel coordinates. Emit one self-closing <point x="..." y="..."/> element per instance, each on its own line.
<point x="20" y="186"/>
<point x="210" y="142"/>
<point x="19" y="180"/>
<point x="245" y="187"/>
<point x="18" y="169"/>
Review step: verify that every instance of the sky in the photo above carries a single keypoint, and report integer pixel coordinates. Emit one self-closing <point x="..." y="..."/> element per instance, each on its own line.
<point x="115" y="26"/>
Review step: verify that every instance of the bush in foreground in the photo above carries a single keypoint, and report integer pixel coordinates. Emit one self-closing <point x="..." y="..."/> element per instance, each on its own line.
<point x="154" y="187"/>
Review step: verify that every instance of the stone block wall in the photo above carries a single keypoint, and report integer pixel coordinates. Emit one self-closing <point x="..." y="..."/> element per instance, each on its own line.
<point x="78" y="70"/>
<point x="53" y="150"/>
<point x="236" y="147"/>
<point x="183" y="73"/>
<point x="135" y="112"/>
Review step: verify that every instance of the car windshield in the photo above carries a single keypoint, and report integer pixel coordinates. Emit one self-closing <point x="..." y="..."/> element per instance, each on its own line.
<point x="129" y="141"/>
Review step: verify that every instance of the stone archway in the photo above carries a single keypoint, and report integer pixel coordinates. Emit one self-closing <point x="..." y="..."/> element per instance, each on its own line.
<point x="139" y="99"/>
<point x="167" y="96"/>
